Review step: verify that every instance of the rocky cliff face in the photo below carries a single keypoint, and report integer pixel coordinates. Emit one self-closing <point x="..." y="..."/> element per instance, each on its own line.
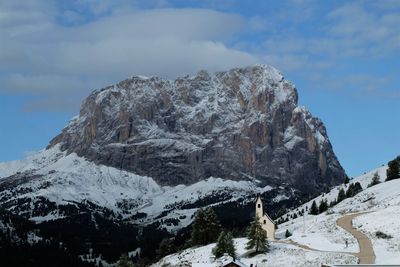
<point x="238" y="124"/>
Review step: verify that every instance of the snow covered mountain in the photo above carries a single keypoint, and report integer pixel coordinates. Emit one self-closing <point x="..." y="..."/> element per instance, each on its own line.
<point x="240" y="124"/>
<point x="66" y="180"/>
<point x="148" y="152"/>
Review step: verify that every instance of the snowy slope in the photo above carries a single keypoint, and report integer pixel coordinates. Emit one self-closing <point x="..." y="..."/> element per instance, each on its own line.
<point x="280" y="255"/>
<point x="382" y="202"/>
<point x="68" y="179"/>
<point x="364" y="180"/>
<point x="324" y="241"/>
<point x="385" y="207"/>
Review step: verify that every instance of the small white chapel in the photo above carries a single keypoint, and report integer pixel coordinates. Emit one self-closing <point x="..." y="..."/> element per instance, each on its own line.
<point x="266" y="222"/>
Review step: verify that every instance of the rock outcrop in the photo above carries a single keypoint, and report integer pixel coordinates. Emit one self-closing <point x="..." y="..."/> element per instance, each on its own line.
<point x="240" y="124"/>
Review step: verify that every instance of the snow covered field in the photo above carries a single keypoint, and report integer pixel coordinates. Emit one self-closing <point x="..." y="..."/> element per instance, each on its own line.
<point x="387" y="221"/>
<point x="280" y="255"/>
<point x="384" y="218"/>
<point x="382" y="201"/>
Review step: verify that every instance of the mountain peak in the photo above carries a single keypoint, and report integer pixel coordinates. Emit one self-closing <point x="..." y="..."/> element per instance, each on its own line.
<point x="267" y="71"/>
<point x="243" y="122"/>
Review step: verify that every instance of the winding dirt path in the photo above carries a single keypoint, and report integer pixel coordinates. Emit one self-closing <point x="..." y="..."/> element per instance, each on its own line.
<point x="366" y="254"/>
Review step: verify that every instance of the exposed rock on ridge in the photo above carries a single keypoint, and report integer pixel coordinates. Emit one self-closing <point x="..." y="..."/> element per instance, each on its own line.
<point x="238" y="124"/>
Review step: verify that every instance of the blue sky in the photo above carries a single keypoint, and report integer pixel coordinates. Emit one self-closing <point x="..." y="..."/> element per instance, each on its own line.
<point x="343" y="57"/>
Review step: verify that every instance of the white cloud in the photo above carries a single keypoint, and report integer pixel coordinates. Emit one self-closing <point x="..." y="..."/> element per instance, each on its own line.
<point x="39" y="84"/>
<point x="56" y="53"/>
<point x="15" y="14"/>
<point x="55" y="61"/>
<point x="366" y="27"/>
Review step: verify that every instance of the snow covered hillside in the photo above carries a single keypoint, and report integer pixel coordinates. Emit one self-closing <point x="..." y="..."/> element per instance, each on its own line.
<point x="280" y="255"/>
<point x="68" y="179"/>
<point x="381" y="204"/>
<point x="364" y="180"/>
<point x="317" y="239"/>
<point x="58" y="196"/>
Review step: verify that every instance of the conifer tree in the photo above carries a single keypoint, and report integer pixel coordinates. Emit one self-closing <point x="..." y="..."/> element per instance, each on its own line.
<point x="257" y="237"/>
<point x="230" y="246"/>
<point x="224" y="245"/>
<point x="353" y="189"/>
<point x="376" y="179"/>
<point x="346" y="179"/>
<point x="393" y="171"/>
<point x="357" y="188"/>
<point x="288" y="233"/>
<point x="205" y="228"/>
<point x="350" y="191"/>
<point x="314" y="208"/>
<point x="341" y="195"/>
<point x="323" y="206"/>
<point x="219" y="249"/>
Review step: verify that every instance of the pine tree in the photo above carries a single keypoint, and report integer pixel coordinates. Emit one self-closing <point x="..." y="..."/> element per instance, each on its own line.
<point x="346" y="179"/>
<point x="230" y="246"/>
<point x="357" y="188"/>
<point x="124" y="261"/>
<point x="375" y="180"/>
<point x="257" y="237"/>
<point x="393" y="171"/>
<point x="220" y="248"/>
<point x="314" y="208"/>
<point x="205" y="228"/>
<point x="288" y="233"/>
<point x="354" y="189"/>
<point x="341" y="195"/>
<point x="350" y="191"/>
<point x="323" y="206"/>
<point x="224" y="245"/>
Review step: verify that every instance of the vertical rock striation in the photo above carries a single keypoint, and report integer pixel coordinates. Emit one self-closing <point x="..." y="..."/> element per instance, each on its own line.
<point x="244" y="123"/>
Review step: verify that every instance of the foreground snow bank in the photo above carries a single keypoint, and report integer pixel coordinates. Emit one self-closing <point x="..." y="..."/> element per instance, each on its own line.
<point x="280" y="255"/>
<point x="382" y="204"/>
